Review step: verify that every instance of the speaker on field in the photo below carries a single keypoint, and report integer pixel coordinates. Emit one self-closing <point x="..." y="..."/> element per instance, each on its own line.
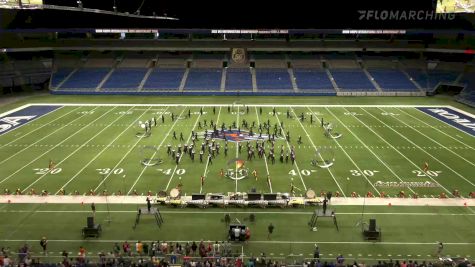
<point x="90" y="222"/>
<point x="372" y="225"/>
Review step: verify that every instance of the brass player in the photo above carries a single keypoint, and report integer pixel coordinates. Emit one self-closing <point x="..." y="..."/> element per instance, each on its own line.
<point x="254" y="172"/>
<point x="426" y="167"/>
<point x="51" y="165"/>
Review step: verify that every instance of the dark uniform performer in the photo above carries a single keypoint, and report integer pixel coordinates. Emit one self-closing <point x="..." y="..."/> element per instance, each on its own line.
<point x="149" y="206"/>
<point x="325" y="206"/>
<point x="163" y="119"/>
<point x="93" y="208"/>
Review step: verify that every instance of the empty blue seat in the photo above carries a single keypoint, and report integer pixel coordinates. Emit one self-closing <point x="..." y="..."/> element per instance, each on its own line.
<point x="392" y="80"/>
<point x="164" y="79"/>
<point x="352" y="80"/>
<point x="203" y="79"/>
<point x="87" y="78"/>
<point x="273" y="79"/>
<point x="127" y="78"/>
<point x="238" y="79"/>
<point x="312" y="79"/>
<point x="59" y="76"/>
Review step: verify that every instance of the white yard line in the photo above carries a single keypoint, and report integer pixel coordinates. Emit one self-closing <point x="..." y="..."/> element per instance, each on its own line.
<point x="265" y="158"/>
<point x="36" y="129"/>
<point x="435" y="128"/>
<point x="289" y="148"/>
<point x="367" y="147"/>
<point x="181" y="155"/>
<point x="417" y="214"/>
<point x="207" y="162"/>
<point x="435" y="141"/>
<point x="399" y="152"/>
<point x="250" y="105"/>
<point x="342" y="149"/>
<point x="76" y="150"/>
<point x="154" y="153"/>
<point x="237" y="152"/>
<point x="58" y="144"/>
<point x="120" y="161"/>
<point x="421" y="149"/>
<point x="100" y="153"/>
<point x="251" y="241"/>
<point x="44" y="137"/>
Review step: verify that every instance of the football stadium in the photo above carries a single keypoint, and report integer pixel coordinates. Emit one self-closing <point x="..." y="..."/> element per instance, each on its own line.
<point x="145" y="133"/>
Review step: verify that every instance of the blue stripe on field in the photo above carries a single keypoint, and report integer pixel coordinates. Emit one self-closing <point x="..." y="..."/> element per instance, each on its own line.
<point x="452" y="117"/>
<point x="21" y="117"/>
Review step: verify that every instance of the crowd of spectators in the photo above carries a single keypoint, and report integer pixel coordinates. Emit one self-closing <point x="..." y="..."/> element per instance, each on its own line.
<point x="188" y="254"/>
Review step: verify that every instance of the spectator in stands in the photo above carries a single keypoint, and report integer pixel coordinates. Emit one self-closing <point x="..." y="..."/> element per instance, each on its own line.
<point x="187" y="248"/>
<point x="126" y="248"/>
<point x="139" y="247"/>
<point x="193" y="248"/>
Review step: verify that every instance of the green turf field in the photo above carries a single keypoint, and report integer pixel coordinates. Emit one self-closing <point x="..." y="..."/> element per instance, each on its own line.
<point x="95" y="148"/>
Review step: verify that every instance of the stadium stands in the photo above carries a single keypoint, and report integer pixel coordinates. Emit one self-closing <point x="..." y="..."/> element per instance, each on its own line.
<point x="352" y="80"/>
<point x="273" y="79"/>
<point x="238" y="79"/>
<point x="274" y="73"/>
<point x="85" y="79"/>
<point x="124" y="79"/>
<point x="392" y="80"/>
<point x="164" y="79"/>
<point x="203" y="79"/>
<point x="313" y="79"/>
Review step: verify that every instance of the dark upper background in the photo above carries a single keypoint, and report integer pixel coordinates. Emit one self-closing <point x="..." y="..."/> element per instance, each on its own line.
<point x="243" y="14"/>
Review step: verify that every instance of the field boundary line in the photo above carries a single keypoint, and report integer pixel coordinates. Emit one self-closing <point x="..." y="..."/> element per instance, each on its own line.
<point x="306" y="213"/>
<point x="38" y="157"/>
<point x="342" y="149"/>
<point x="120" y="161"/>
<point x="30" y="122"/>
<point x="265" y="158"/>
<point x="100" y="153"/>
<point x="250" y="105"/>
<point x="44" y="137"/>
<point x="16" y="109"/>
<point x="295" y="162"/>
<point x="435" y="128"/>
<point x="154" y="153"/>
<point x="251" y="241"/>
<point x="181" y="155"/>
<point x="431" y="139"/>
<point x="76" y="150"/>
<point x="207" y="162"/>
<point x="399" y="152"/>
<point x="369" y="149"/>
<point x="416" y="145"/>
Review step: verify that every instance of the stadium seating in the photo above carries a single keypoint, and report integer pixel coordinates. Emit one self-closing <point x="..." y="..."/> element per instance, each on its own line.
<point x="273" y="79"/>
<point x="430" y="79"/>
<point x="352" y="80"/>
<point x="204" y="79"/>
<point x="125" y="79"/>
<point x="313" y="79"/>
<point x="59" y="76"/>
<point x="86" y="78"/>
<point x="392" y="80"/>
<point x="162" y="79"/>
<point x="238" y="79"/>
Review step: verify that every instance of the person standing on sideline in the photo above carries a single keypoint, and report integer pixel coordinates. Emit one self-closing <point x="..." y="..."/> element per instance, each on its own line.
<point x="149" y="206"/>
<point x="93" y="208"/>
<point x="316" y="253"/>
<point x="270" y="230"/>
<point x="325" y="206"/>
<point x="43" y="243"/>
<point x="440" y="247"/>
